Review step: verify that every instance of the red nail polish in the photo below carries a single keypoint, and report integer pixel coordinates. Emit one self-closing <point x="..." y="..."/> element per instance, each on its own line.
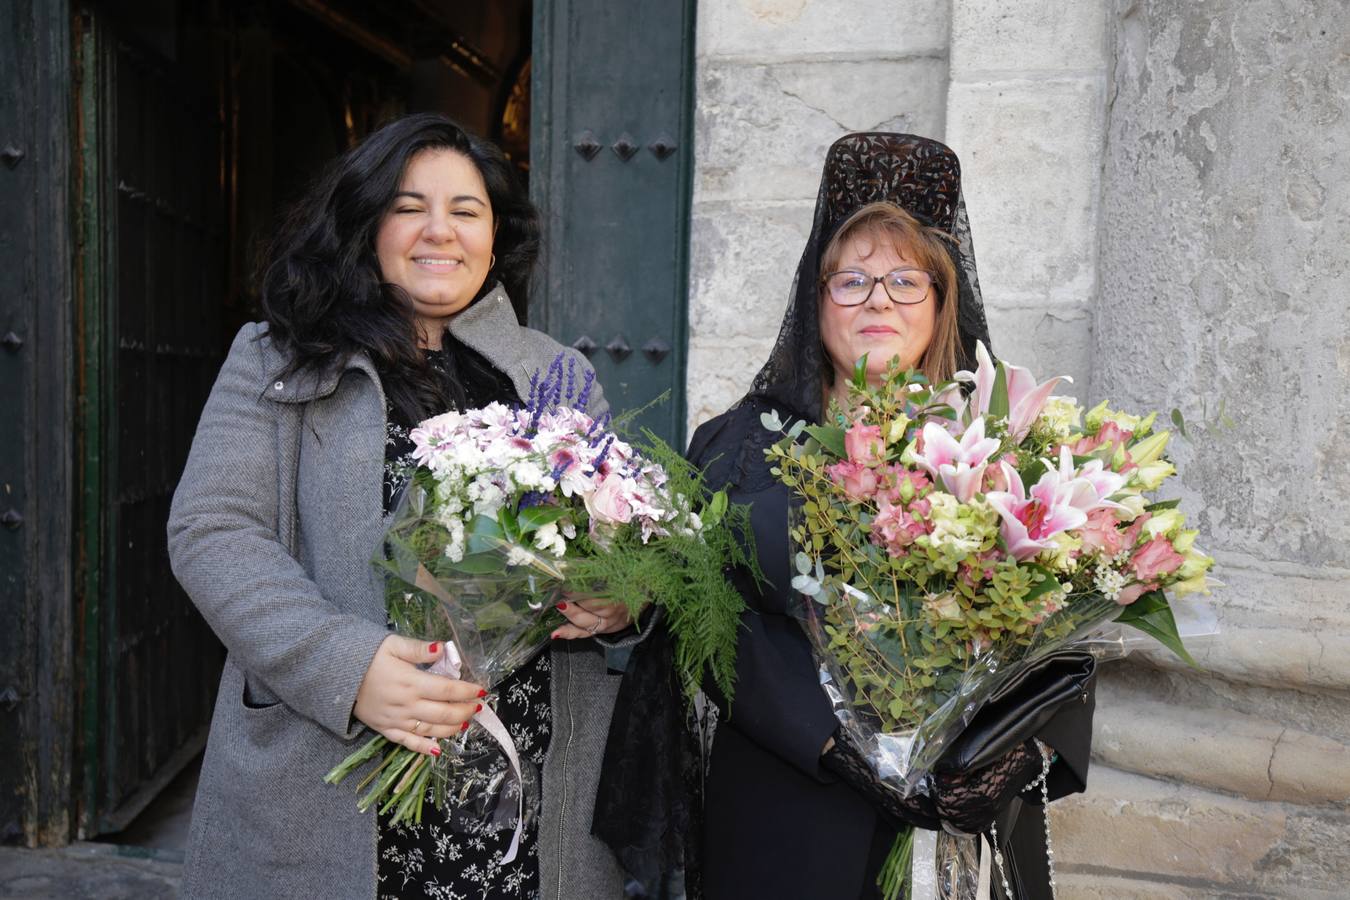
<point x="478" y="708"/>
<point x="481" y="695"/>
<point x="554" y="635"/>
<point x="464" y="727"/>
<point x="562" y="605"/>
<point x="435" y="751"/>
<point x="434" y="647"/>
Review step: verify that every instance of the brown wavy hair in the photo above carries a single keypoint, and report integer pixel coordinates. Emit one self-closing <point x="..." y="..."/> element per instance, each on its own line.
<point x="928" y="248"/>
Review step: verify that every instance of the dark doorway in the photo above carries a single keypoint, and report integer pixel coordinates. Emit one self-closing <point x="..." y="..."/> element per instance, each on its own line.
<point x="199" y="123"/>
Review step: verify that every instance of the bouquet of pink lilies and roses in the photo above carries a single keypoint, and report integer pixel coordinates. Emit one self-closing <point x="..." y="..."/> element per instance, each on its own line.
<point x="949" y="538"/>
<point x="504" y="509"/>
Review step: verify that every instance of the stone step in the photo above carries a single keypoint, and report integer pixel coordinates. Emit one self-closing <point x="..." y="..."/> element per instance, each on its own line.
<point x="1173" y="726"/>
<point x="1140" y="838"/>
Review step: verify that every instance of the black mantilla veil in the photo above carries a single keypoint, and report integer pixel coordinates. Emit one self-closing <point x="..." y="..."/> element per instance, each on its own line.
<point x="647" y="803"/>
<point x="921" y="176"/>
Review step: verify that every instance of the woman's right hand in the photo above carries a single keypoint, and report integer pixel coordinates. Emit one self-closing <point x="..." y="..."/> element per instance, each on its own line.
<point x="969" y="801"/>
<point x="411" y="706"/>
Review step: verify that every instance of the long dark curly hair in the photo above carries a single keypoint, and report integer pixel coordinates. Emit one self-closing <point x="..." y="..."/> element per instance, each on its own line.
<point x="320" y="283"/>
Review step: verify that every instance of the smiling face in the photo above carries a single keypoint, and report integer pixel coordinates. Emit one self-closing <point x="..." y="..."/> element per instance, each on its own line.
<point x="435" y="241"/>
<point x="878" y="327"/>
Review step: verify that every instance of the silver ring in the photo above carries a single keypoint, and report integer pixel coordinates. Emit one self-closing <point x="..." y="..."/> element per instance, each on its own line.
<point x="593" y="628"/>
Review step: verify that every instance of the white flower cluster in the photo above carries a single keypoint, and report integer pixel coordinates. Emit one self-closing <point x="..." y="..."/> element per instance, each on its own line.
<point x="1109" y="580"/>
<point x="496" y="457"/>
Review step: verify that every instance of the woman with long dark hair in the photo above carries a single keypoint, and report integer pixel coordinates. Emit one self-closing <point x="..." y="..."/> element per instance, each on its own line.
<point x="388" y="297"/>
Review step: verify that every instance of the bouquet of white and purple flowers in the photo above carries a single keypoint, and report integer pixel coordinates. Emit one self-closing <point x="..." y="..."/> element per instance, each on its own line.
<point x="504" y="509"/>
<point x="950" y="540"/>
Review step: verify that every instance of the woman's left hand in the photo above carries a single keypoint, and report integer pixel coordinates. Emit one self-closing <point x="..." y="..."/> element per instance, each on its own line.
<point x="590" y="616"/>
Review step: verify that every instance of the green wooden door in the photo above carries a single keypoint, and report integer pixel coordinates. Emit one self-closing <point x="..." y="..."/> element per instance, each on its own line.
<point x="152" y="278"/>
<point x="610" y="167"/>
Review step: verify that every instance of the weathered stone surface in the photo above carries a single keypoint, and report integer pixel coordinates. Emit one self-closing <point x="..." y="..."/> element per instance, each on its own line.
<point x="1046" y="36"/>
<point x="1221" y="209"/>
<point x="1049" y="340"/>
<point x="744" y="258"/>
<point x="725" y="369"/>
<point x="762" y="129"/>
<point x="860" y="29"/>
<point x="1132" y="828"/>
<point x="1030" y="154"/>
<point x="1173" y="727"/>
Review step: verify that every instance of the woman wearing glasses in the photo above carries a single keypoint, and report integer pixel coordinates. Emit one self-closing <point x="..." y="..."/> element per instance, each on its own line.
<point x="790" y="810"/>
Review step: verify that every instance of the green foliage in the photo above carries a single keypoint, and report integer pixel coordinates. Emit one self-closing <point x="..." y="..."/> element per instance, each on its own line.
<point x="1152" y="615"/>
<point x="683" y="574"/>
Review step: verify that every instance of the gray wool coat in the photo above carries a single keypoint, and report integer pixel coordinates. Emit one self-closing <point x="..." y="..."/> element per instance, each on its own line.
<point x="271" y="533"/>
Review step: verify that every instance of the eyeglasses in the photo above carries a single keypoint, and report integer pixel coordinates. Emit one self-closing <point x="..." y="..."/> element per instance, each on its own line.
<point x="852" y="288"/>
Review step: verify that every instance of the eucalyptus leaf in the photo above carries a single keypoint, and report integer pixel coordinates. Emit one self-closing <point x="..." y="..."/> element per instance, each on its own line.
<point x="771" y="420"/>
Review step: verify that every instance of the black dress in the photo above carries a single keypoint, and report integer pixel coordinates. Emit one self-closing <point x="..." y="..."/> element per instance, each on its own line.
<point x="776" y="822"/>
<point x="430" y="859"/>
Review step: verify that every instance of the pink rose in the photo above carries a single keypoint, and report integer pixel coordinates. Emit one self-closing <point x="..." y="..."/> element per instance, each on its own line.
<point x="608" y="502"/>
<point x="863" y="444"/>
<point x="899" y="481"/>
<point x="1154" y="559"/>
<point x="1131" y="536"/>
<point x="858" y="481"/>
<point x="894" y="528"/>
<point x="1109" y="433"/>
<point x="1100" y="533"/>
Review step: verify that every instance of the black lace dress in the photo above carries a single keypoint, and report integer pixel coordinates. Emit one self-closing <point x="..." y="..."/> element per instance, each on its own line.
<point x="431" y="859"/>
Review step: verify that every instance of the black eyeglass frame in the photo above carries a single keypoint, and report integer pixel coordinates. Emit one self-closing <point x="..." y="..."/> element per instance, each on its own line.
<point x="877" y="279"/>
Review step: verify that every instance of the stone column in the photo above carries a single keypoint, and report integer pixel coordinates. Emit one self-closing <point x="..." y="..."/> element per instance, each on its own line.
<point x="1225" y="244"/>
<point x="1025" y="111"/>
<point x="778" y="81"/>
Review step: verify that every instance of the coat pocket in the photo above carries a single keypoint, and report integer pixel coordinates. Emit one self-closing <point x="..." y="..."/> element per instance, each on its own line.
<point x="256" y="696"/>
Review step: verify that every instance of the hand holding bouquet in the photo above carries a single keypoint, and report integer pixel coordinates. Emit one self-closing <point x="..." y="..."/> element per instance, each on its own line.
<point x="504" y="509"/>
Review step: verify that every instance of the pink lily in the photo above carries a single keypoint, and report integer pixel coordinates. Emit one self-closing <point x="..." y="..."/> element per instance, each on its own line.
<point x="1093" y="483"/>
<point x="961" y="465"/>
<point x="1026" y="398"/>
<point x="1031" y="522"/>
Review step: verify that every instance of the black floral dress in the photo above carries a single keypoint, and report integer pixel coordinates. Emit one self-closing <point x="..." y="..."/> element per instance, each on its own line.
<point x="433" y="859"/>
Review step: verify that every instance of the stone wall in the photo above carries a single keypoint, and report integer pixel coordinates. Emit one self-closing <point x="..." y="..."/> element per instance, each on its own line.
<point x="778" y="81"/>
<point x="1025" y="106"/>
<point x="1225" y="240"/>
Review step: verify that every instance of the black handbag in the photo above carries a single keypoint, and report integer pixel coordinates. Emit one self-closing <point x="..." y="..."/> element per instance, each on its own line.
<point x="1020" y="708"/>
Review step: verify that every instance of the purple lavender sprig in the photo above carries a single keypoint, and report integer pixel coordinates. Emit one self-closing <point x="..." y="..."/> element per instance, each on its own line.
<point x="587" y="382"/>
